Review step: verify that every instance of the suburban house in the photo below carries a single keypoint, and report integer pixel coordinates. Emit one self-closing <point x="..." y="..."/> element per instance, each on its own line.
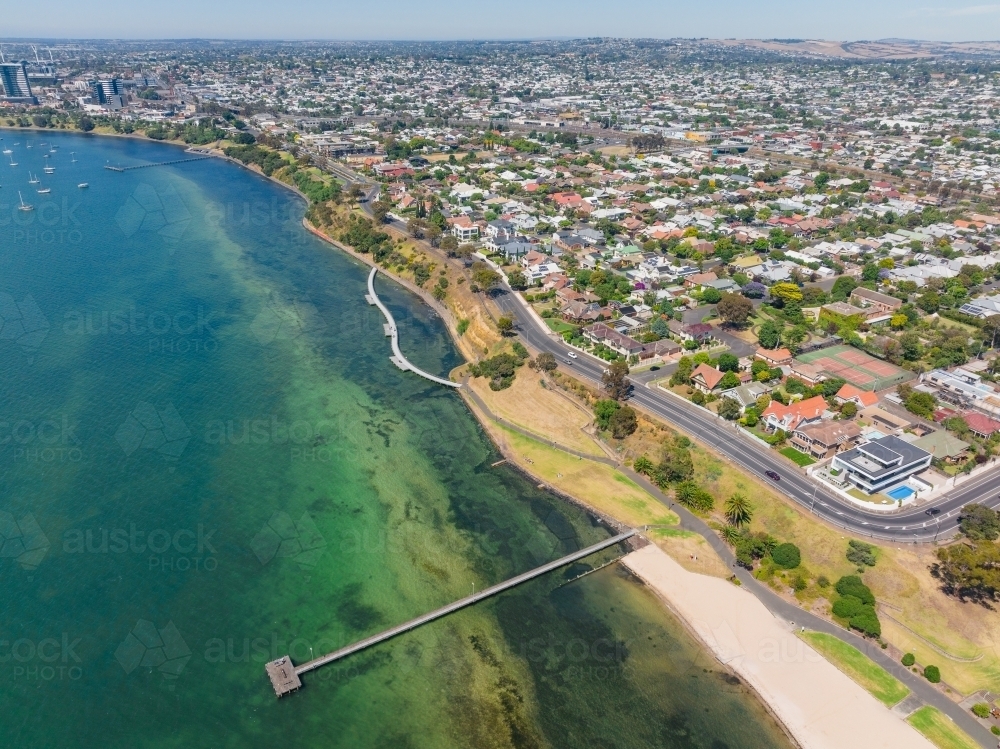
<point x="880" y="464"/>
<point x="608" y="336"/>
<point x="746" y="395"/>
<point x="706" y="378"/>
<point x="699" y="332"/>
<point x="860" y="398"/>
<point x="825" y="439"/>
<point x="875" y="304"/>
<point x="980" y="424"/>
<point x="791" y="417"/>
<point x="943" y="446"/>
<point x="883" y="420"/>
<point x="778" y="357"/>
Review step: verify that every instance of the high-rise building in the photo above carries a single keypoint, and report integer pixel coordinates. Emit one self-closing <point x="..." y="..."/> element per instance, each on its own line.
<point x="14" y="77"/>
<point x="105" y="91"/>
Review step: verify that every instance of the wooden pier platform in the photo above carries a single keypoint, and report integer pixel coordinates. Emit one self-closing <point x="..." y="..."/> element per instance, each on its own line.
<point x="278" y="671"/>
<point x="159" y="163"/>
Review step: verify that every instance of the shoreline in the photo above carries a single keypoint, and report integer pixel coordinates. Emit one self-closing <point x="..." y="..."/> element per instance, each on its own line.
<point x="808" y="696"/>
<point x="450" y="324"/>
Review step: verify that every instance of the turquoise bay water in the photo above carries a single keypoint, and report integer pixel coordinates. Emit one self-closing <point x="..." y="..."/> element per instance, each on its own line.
<point x="208" y="461"/>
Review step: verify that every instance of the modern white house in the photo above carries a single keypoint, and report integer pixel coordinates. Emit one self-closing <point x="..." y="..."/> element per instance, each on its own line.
<point x="881" y="464"/>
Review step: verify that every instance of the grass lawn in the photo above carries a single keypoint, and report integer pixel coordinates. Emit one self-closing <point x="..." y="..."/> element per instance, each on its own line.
<point x="798" y="458"/>
<point x="559" y="326"/>
<point x="599" y="485"/>
<point x="882" y="685"/>
<point x="940" y="730"/>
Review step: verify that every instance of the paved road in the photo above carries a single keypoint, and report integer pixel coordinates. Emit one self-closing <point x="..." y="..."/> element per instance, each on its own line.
<point x="907" y="526"/>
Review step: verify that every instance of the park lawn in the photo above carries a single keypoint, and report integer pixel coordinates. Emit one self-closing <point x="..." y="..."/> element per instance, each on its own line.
<point x="599" y="485"/>
<point x="798" y="458"/>
<point x="882" y="685"/>
<point x="940" y="729"/>
<point x="542" y="411"/>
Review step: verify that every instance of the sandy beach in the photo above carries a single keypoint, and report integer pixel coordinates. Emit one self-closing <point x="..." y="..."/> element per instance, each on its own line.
<point x="818" y="705"/>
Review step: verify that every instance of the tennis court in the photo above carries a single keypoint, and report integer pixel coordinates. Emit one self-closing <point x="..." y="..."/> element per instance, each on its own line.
<point x="858" y="368"/>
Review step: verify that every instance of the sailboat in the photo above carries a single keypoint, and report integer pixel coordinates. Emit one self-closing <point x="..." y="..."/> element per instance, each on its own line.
<point x="73" y="154"/>
<point x="7" y="152"/>
<point x="32" y="180"/>
<point x="24" y="206"/>
<point x="12" y="162"/>
<point x="49" y="170"/>
<point x="83" y="185"/>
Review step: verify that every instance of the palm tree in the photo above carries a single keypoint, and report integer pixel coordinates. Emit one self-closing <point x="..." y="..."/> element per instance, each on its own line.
<point x="739" y="511"/>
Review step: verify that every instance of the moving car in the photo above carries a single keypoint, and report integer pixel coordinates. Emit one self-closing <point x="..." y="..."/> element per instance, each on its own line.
<point x="571" y="355"/>
<point x="772" y="475"/>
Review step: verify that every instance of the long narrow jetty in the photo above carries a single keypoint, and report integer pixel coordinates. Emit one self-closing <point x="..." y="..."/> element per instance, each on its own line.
<point x="158" y="163"/>
<point x="285" y="677"/>
<point x="397" y="357"/>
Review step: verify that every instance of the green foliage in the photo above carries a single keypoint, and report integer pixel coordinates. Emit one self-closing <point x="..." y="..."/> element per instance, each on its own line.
<point x="932" y="674"/>
<point x="675" y="464"/>
<point x="908" y="659"/>
<point x="463" y="325"/>
<point x="847" y="606"/>
<point x="500" y="370"/>
<point x="729" y="409"/>
<point x="623" y="422"/>
<point x="981" y="710"/>
<point x="867" y="622"/>
<point x="738" y="510"/>
<point x="268" y="160"/>
<point x="694" y="497"/>
<point x="769" y="334"/>
<point x="787" y="556"/>
<point x="603" y="411"/>
<point x="860" y="554"/>
<point x="851" y="585"/>
<point x="362" y="235"/>
<point x="980" y="523"/>
<point x="728" y="362"/>
<point x="643" y="465"/>
<point x="969" y="572"/>
<point x="316" y="191"/>
<point x="748" y="546"/>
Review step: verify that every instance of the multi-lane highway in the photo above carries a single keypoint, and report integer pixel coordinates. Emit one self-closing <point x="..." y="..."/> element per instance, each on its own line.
<point x="929" y="522"/>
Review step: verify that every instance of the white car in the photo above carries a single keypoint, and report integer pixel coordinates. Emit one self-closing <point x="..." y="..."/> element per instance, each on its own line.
<point x="571" y="355"/>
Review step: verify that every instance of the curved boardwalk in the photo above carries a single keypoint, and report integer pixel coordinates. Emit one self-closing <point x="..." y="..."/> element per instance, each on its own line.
<point x="397" y="357"/>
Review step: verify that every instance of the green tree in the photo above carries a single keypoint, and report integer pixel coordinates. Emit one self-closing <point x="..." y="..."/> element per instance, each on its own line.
<point x="603" y="411"/>
<point x="545" y="361"/>
<point x="786" y="292"/>
<point x="484" y="277"/>
<point x="769" y="335"/>
<point x="615" y="379"/>
<point x="623" y="422"/>
<point x="739" y="511"/>
<point x="728" y="362"/>
<point x="505" y="325"/>
<point x="969" y="572"/>
<point x="842" y="288"/>
<point x="860" y="554"/>
<point x="729" y="381"/>
<point x="675" y="464"/>
<point x="693" y="496"/>
<point x="735" y="309"/>
<point x="729" y="409"/>
<point x="682" y="375"/>
<point x="980" y="523"/>
<point x="932" y="674"/>
<point x="787" y="556"/>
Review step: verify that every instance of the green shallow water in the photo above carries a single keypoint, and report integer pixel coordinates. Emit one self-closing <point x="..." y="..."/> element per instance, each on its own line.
<point x="208" y="461"/>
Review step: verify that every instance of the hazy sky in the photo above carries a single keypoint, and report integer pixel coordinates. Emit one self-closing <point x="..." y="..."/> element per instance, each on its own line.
<point x="512" y="19"/>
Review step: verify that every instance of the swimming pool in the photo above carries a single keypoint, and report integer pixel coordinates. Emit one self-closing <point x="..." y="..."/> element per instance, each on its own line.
<point x="901" y="492"/>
